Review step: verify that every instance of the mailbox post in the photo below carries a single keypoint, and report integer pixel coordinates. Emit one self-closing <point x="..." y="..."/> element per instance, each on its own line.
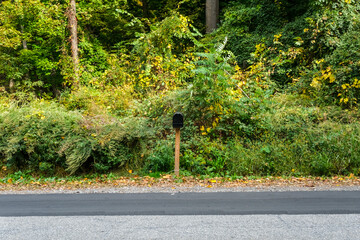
<point x="178" y="122"/>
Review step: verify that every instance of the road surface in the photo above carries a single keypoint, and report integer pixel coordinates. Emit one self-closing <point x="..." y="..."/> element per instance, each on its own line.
<point x="231" y="203"/>
<point x="280" y="215"/>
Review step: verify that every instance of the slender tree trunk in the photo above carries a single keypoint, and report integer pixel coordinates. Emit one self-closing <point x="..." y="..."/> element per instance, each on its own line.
<point x="212" y="15"/>
<point x="74" y="41"/>
<point x="145" y="8"/>
<point x="11" y="83"/>
<point x="23" y="41"/>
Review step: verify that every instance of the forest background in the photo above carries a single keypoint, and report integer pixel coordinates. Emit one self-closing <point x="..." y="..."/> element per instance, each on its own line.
<point x="272" y="91"/>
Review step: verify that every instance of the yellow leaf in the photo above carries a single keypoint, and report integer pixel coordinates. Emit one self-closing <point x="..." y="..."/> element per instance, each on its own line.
<point x="130" y="171"/>
<point x="213" y="181"/>
<point x="209" y="186"/>
<point x="9" y="180"/>
<point x="315" y="83"/>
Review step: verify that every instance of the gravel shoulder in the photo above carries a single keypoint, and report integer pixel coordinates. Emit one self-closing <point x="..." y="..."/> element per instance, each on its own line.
<point x="177" y="190"/>
<point x="170" y="184"/>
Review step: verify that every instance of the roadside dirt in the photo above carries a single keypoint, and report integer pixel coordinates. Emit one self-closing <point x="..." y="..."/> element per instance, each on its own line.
<point x="169" y="183"/>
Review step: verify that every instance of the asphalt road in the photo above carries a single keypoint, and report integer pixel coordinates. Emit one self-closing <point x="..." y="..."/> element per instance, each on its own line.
<point x="182" y="227"/>
<point x="239" y="203"/>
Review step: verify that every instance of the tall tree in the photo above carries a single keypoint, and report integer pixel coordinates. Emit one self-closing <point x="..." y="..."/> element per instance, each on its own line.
<point x="212" y="15"/>
<point x="74" y="40"/>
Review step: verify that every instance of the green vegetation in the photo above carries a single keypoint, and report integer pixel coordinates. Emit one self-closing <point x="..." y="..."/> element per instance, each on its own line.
<point x="273" y="91"/>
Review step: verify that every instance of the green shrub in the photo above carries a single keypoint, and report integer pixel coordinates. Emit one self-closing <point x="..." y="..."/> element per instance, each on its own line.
<point x="298" y="137"/>
<point x="30" y="135"/>
<point x="45" y="137"/>
<point x="99" y="100"/>
<point x="161" y="157"/>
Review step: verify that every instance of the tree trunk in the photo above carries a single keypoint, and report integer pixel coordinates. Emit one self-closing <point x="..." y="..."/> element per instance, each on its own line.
<point x="145" y="8"/>
<point x="212" y="15"/>
<point x="23" y="41"/>
<point x="74" y="41"/>
<point x="11" y="83"/>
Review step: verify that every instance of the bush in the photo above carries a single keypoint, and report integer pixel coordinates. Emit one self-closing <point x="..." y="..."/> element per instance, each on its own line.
<point x="31" y="135"/>
<point x="287" y="135"/>
<point x="99" y="100"/>
<point x="45" y="137"/>
<point x="161" y="157"/>
<point x="298" y="137"/>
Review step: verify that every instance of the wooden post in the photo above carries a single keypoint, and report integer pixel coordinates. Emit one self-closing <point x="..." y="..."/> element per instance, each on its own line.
<point x="177" y="151"/>
<point x="178" y="122"/>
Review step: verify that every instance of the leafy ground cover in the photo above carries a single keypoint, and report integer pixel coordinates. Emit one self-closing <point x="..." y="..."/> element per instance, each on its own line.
<point x="16" y="183"/>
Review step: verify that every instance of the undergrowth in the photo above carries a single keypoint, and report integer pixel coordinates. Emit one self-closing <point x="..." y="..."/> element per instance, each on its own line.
<point x="293" y="137"/>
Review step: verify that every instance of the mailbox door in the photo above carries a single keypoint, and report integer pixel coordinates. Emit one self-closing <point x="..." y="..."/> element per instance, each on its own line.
<point x="178" y="120"/>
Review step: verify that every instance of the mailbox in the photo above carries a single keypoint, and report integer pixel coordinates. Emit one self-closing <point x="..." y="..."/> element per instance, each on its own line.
<point x="178" y="120"/>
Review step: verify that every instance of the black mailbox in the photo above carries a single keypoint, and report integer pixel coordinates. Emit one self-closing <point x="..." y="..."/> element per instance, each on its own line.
<point x="178" y="120"/>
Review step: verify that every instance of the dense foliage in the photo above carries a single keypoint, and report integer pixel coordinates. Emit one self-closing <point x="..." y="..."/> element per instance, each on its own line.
<point x="274" y="90"/>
